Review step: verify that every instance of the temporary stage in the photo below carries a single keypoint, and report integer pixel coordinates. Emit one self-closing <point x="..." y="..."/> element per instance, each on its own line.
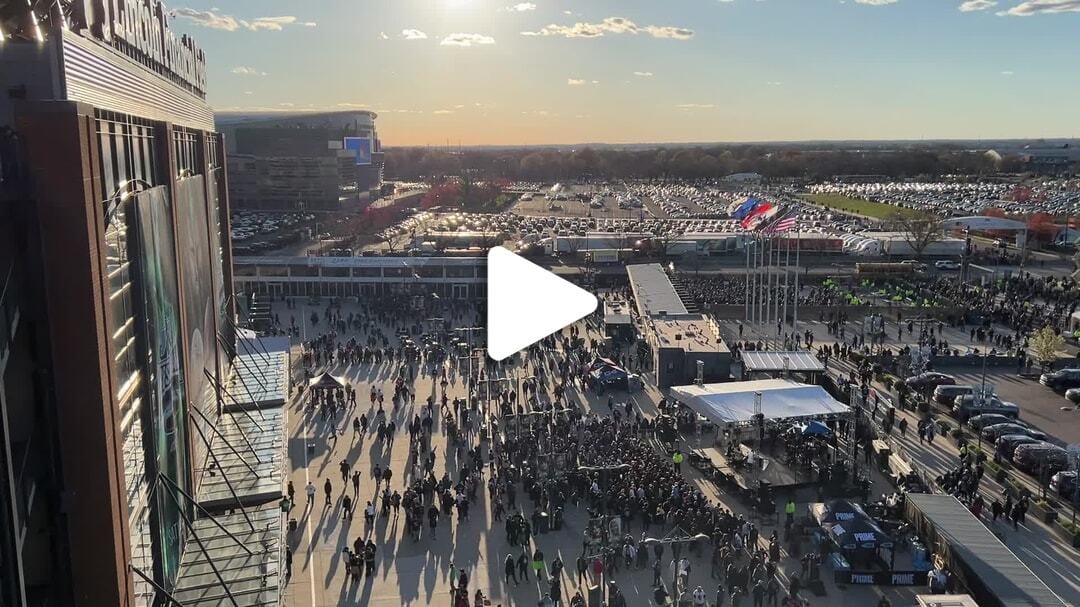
<point x="733" y="403"/>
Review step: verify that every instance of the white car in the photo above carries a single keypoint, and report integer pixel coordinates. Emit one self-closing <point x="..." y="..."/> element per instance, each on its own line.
<point x="947" y="264"/>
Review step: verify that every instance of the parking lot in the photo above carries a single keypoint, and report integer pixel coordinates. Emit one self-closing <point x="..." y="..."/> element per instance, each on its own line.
<point x="1040" y="406"/>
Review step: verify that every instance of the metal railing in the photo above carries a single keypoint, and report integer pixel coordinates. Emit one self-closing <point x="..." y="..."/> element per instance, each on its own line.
<point x="9" y="309"/>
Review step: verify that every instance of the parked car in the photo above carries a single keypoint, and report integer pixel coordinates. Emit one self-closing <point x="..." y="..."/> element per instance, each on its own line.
<point x="992" y="433"/>
<point x="968" y="405"/>
<point x="947" y="264"/>
<point x="925" y="382"/>
<point x="1061" y="379"/>
<point x="946" y="395"/>
<point x="983" y="420"/>
<point x="1064" y="484"/>
<point x="1040" y="458"/>
<point x="1007" y="444"/>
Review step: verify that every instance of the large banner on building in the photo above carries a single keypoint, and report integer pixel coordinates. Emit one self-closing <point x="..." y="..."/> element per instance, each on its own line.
<point x="361" y="149"/>
<point x="218" y="242"/>
<point x="160" y="299"/>
<point x="197" y="272"/>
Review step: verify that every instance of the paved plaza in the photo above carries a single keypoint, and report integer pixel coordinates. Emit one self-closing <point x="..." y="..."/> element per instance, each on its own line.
<point x="418" y="572"/>
<point x="411" y="572"/>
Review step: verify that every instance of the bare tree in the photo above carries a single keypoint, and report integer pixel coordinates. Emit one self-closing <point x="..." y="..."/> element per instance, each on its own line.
<point x="920" y="230"/>
<point x="394" y="237"/>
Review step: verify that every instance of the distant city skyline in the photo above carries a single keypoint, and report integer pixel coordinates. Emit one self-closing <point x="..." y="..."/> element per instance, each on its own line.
<point x="479" y="72"/>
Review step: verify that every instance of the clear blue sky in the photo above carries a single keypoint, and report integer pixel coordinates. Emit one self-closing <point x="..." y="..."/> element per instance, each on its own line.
<point x="566" y="71"/>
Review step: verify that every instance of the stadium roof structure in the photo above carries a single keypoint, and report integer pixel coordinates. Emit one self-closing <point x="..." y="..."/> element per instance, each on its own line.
<point x="653" y="291"/>
<point x="761" y="361"/>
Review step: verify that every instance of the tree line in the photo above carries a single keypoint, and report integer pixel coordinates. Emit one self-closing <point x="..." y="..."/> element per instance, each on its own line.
<point x="700" y="162"/>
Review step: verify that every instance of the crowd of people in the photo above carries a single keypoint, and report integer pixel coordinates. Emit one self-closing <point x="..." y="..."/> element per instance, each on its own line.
<point x="1022" y="302"/>
<point x="711" y="292"/>
<point x="526" y="453"/>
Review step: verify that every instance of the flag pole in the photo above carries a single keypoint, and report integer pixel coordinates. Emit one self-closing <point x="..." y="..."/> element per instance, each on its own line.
<point x="763" y="290"/>
<point x="746" y="276"/>
<point x="787" y="275"/>
<point x="798" y="245"/>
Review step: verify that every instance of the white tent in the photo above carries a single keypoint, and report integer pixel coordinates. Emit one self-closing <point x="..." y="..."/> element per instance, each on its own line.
<point x="733" y="402"/>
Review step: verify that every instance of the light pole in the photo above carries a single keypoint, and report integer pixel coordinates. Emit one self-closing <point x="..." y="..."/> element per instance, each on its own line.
<point x="468" y="391"/>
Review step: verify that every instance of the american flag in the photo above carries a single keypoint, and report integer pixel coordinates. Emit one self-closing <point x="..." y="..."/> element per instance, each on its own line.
<point x="782" y="225"/>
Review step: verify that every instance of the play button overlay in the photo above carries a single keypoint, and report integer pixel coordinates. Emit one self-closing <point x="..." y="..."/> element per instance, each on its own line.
<point x="526" y="303"/>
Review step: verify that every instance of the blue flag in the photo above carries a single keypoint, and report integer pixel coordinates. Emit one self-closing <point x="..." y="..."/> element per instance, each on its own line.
<point x="745" y="208"/>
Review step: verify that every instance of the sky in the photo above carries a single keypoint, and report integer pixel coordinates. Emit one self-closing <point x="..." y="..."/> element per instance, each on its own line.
<point x="503" y="72"/>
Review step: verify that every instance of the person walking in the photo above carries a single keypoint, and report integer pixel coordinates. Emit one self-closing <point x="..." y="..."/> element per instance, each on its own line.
<point x="510" y="570"/>
<point x="523" y="565"/>
<point x="310" y="490"/>
<point x="677" y="460"/>
<point x="328" y="489"/>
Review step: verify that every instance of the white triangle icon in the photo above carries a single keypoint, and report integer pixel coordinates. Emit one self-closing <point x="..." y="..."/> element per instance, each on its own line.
<point x="526" y="303"/>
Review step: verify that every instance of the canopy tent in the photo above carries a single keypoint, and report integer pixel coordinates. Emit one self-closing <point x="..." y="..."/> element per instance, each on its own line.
<point x="772" y="362"/>
<point x="675" y="536"/>
<point x="733" y="402"/>
<point x="858" y="533"/>
<point x="325" y="380"/>
<point x="600" y="362"/>
<point x="816" y="428"/>
<point x="836" y="511"/>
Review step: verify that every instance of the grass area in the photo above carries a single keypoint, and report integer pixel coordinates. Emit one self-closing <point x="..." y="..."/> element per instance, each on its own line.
<point x="839" y="202"/>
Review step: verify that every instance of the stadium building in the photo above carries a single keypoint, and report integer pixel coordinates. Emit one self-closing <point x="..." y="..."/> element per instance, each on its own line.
<point x="117" y="345"/>
<point x="323" y="161"/>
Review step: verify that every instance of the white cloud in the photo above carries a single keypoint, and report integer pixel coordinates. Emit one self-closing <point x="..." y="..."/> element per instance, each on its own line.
<point x="774" y="83"/>
<point x="287" y="104"/>
<point x="574" y="82"/>
<point x="458" y="106"/>
<point x="644" y="74"/>
<point x="611" y="25"/>
<point x="876" y="2"/>
<point x="971" y="6"/>
<point x="383" y="36"/>
<point x="348" y="105"/>
<point x="695" y="106"/>
<point x="213" y="19"/>
<point x="1037" y="7"/>
<point x="1007" y="72"/>
<point x="273" y="24"/>
<point x="208" y="19"/>
<point x="412" y="34"/>
<point x="522" y="7"/>
<point x="675" y="33"/>
<point x="248" y="93"/>
<point x="243" y="70"/>
<point x="442" y="112"/>
<point x="458" y="39"/>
